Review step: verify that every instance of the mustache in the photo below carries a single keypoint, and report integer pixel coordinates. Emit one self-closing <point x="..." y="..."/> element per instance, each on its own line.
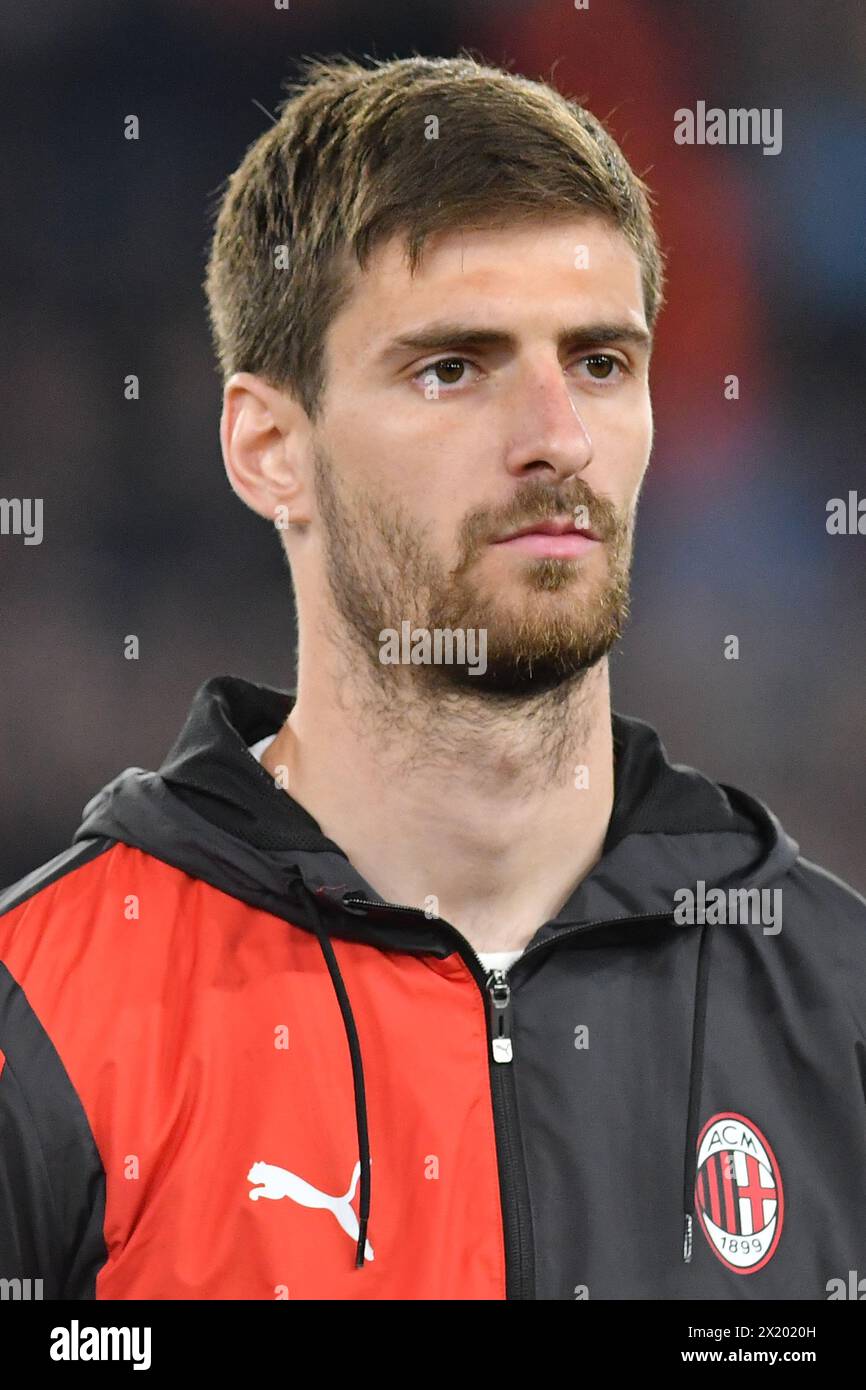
<point x="538" y="502"/>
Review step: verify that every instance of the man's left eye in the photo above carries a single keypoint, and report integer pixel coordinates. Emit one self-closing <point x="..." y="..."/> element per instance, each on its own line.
<point x="601" y="365"/>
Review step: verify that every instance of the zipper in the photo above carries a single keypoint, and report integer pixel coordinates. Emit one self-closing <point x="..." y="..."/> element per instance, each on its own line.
<point x="513" y="1181"/>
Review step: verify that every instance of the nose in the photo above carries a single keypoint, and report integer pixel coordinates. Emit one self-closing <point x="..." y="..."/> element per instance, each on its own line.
<point x="549" y="434"/>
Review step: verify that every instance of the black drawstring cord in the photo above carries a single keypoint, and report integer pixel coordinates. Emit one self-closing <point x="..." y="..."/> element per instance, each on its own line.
<point x="699" y="1028"/>
<point x="357" y="1076"/>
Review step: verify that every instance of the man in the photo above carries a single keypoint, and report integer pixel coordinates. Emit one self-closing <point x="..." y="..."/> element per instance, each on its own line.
<point x="431" y="978"/>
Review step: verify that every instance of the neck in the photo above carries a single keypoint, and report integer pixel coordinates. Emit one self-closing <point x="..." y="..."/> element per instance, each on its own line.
<point x="487" y="813"/>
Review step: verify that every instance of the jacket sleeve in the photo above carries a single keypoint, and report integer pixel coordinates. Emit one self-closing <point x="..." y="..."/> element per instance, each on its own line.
<point x="52" y="1183"/>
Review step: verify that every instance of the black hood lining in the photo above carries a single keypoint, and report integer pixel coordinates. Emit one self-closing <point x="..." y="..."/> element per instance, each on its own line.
<point x="210" y="768"/>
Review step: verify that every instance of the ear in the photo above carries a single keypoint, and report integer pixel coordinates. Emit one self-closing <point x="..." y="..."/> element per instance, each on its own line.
<point x="264" y="435"/>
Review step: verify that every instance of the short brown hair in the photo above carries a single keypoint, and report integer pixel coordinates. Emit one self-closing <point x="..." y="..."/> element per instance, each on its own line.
<point x="350" y="162"/>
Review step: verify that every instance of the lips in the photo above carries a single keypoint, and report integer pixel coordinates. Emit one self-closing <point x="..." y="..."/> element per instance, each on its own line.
<point x="555" y="539"/>
<point x="562" y="526"/>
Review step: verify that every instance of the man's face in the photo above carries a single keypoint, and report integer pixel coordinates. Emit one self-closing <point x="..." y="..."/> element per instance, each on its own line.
<point x="429" y="453"/>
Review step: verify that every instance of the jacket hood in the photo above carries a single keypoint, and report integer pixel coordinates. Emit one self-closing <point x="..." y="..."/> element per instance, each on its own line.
<point x="665" y="819"/>
<point x="212" y="811"/>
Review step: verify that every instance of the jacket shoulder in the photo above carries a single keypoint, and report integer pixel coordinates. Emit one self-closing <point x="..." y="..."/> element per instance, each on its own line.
<point x="831" y="893"/>
<point x="64" y="863"/>
<point x="834" y="914"/>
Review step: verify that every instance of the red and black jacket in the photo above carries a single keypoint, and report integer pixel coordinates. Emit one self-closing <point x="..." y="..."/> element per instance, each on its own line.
<point x="229" y="1070"/>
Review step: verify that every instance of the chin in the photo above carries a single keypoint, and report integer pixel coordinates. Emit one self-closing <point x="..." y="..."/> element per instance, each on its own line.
<point x="510" y="677"/>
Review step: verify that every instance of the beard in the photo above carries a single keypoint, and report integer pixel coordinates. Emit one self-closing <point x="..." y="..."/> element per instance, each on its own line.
<point x="561" y="618"/>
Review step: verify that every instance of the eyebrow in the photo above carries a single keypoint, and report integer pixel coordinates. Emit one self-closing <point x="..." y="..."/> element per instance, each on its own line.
<point x="436" y="337"/>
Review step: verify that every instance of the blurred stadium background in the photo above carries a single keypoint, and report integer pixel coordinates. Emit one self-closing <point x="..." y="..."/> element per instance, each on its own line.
<point x="104" y="252"/>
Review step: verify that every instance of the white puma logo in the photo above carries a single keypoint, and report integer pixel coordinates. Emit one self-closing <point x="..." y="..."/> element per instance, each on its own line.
<point x="279" y="1182"/>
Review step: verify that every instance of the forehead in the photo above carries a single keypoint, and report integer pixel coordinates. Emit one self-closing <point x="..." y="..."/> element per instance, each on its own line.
<point x="549" y="271"/>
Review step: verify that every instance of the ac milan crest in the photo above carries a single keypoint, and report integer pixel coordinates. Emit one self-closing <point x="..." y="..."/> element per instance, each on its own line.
<point x="738" y="1192"/>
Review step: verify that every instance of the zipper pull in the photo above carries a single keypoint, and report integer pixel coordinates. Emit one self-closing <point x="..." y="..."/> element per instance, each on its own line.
<point x="687" y="1240"/>
<point x="500" y="1015"/>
